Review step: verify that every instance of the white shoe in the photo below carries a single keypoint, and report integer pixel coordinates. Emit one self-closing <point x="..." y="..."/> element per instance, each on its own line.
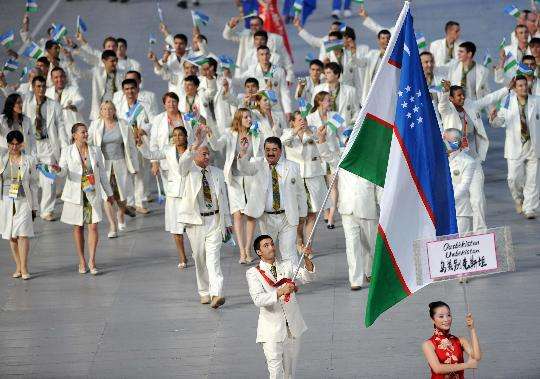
<point x="112" y="234"/>
<point x="336" y="14"/>
<point x="121" y="226"/>
<point x="347" y="13"/>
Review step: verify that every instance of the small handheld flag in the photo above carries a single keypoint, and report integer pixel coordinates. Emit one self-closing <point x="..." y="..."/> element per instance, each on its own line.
<point x="421" y="40"/>
<point x="191" y="119"/>
<point x="199" y="18"/>
<point x="151" y="39"/>
<point x="197" y="60"/>
<point x="332" y="45"/>
<point x="361" y="2"/>
<point x="160" y="198"/>
<point x="304" y="107"/>
<point x="226" y="61"/>
<point x="33" y="51"/>
<point x="133" y="112"/>
<point x="502" y="44"/>
<point x="81" y="26"/>
<point x="24" y="72"/>
<point x="512" y="10"/>
<point x="298" y="6"/>
<point x="342" y="27"/>
<point x="270" y="95"/>
<point x="254" y="129"/>
<point x="523" y="69"/>
<point x="310" y="57"/>
<point x="249" y="15"/>
<point x="59" y="32"/>
<point x="159" y="11"/>
<point x="334" y="122"/>
<point x="436" y="89"/>
<point x="510" y="63"/>
<point x="46" y="170"/>
<point x="11" y="65"/>
<point x="31" y="6"/>
<point x="487" y="59"/>
<point x="7" y="38"/>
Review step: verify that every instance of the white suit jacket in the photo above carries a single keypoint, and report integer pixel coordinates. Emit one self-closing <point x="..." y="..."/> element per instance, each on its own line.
<point x="279" y="84"/>
<point x="292" y="187"/>
<point x="122" y="107"/>
<point x="95" y="137"/>
<point x="438" y="49"/>
<point x="509" y="119"/>
<point x="245" y="41"/>
<point x="147" y="99"/>
<point x="267" y="129"/>
<point x="481" y="77"/>
<point x="304" y="152"/>
<point x="175" y="180"/>
<point x="71" y="168"/>
<point x="29" y="177"/>
<point x="462" y="168"/>
<point x="29" y="139"/>
<point x="348" y="103"/>
<point x="159" y="135"/>
<point x="54" y="123"/>
<point x="188" y="210"/>
<point x="129" y="64"/>
<point x="70" y="96"/>
<point x="450" y="117"/>
<point x="274" y="313"/>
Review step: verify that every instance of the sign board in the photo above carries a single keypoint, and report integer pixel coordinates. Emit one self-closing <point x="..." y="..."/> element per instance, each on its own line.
<point x="461" y="256"/>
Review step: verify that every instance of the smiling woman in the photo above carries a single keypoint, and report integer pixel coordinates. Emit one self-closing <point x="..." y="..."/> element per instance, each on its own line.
<point x="444" y="351"/>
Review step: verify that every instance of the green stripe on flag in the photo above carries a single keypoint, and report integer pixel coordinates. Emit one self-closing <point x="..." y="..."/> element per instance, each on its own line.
<point x="508" y="66"/>
<point x="368" y="156"/>
<point x="385" y="288"/>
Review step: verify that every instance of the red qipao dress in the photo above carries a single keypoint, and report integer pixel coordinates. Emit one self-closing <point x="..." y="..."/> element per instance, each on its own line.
<point x="449" y="351"/>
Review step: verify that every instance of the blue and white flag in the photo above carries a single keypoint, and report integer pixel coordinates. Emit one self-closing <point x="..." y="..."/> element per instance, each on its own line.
<point x="199" y="18"/>
<point x="310" y="57"/>
<point x="134" y="112"/>
<point x="59" y="32"/>
<point x="159" y="11"/>
<point x="81" y="26"/>
<point x="33" y="51"/>
<point x="7" y="39"/>
<point x="11" y="65"/>
<point x="335" y="122"/>
<point x="226" y="61"/>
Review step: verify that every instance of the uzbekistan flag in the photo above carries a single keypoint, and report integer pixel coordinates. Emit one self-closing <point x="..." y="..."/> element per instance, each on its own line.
<point x="81" y="25"/>
<point x="199" y="18"/>
<point x="396" y="144"/>
<point x="11" y="65"/>
<point x="31" y="6"/>
<point x="512" y="10"/>
<point x="59" y="32"/>
<point x="133" y="113"/>
<point x="7" y="38"/>
<point x="33" y="51"/>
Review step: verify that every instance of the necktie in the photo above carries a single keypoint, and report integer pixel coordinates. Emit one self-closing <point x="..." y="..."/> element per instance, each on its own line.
<point x="114" y="82"/>
<point x="309" y="207"/>
<point x="464" y="73"/>
<point x="276" y="203"/>
<point x="464" y="131"/>
<point x="274" y="271"/>
<point x="38" y="122"/>
<point x="59" y="96"/>
<point x="206" y="190"/>
<point x="449" y="53"/>
<point x="525" y="135"/>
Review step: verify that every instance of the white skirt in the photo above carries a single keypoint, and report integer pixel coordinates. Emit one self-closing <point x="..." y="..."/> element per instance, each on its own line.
<point x="316" y="191"/>
<point x="172" y="204"/>
<point x="238" y="191"/>
<point x="72" y="214"/>
<point x="19" y="224"/>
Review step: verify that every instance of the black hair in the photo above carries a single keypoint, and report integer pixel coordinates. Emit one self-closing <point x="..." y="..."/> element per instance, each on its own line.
<point x="126" y="82"/>
<point x="172" y="95"/>
<point x="338" y="35"/>
<point x="58" y="68"/>
<point x="252" y="81"/>
<point x="335" y="67"/>
<point x="50" y="43"/>
<point x="9" y="104"/>
<point x="181" y="36"/>
<point x="121" y="40"/>
<point x="434" y="305"/>
<point x="383" y="32"/>
<point x="212" y="62"/>
<point x="108" y="54"/>
<point x="519" y="77"/>
<point x="453" y="89"/>
<point x="527" y="57"/>
<point x="449" y="24"/>
<point x="349" y="33"/>
<point x="263" y="47"/>
<point x="182" y="130"/>
<point x="76" y="127"/>
<point x="193" y="79"/>
<point x="137" y="73"/>
<point x="257" y="242"/>
<point x="258" y="18"/>
<point x="317" y="62"/>
<point x="274" y="140"/>
<point x="44" y="60"/>
<point x="15" y="135"/>
<point x="469" y="46"/>
<point x="520" y="26"/>
<point x="426" y="53"/>
<point x="534" y="41"/>
<point x="261" y="33"/>
<point x="203" y="37"/>
<point x="108" y="39"/>
<point x="39" y="78"/>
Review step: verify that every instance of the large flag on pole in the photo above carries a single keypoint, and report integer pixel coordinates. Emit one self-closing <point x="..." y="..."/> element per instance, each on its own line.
<point x="273" y="23"/>
<point x="396" y="143"/>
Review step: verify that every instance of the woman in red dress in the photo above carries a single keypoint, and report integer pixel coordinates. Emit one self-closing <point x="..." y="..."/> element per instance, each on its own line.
<point x="444" y="351"/>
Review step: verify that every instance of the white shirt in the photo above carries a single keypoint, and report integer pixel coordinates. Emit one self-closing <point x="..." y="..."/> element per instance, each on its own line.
<point x="280" y="168"/>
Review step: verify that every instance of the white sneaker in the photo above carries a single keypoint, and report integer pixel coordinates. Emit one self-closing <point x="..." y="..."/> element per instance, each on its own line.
<point x="335" y="14"/>
<point x="347" y="13"/>
<point x="112" y="234"/>
<point x="122" y="226"/>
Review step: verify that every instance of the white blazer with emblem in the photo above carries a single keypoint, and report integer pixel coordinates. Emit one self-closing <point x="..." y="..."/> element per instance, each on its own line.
<point x="275" y="314"/>
<point x="175" y="180"/>
<point x="29" y="178"/>
<point x="462" y="168"/>
<point x="291" y="184"/>
<point x="509" y="119"/>
<point x="348" y="103"/>
<point x="438" y="49"/>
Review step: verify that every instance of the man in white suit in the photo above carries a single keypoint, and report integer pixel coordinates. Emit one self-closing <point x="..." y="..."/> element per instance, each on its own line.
<point x="147" y="98"/>
<point x="280" y="199"/>
<point x="459" y="112"/>
<point x="445" y="49"/>
<point x="68" y="96"/>
<point x="522" y="146"/>
<point x="49" y="131"/>
<point x="280" y="324"/>
<point x="344" y="99"/>
<point x="308" y="83"/>
<point x="204" y="209"/>
<point x="462" y="168"/>
<point x="433" y="79"/>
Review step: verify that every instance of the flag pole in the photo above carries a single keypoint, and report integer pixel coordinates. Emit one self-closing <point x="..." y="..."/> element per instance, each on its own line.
<point x="310" y="237"/>
<point x="465" y="296"/>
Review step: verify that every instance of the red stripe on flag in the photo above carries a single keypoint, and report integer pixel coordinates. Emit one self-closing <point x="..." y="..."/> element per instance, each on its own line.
<point x="393" y="258"/>
<point x="394" y="63"/>
<point x="414" y="177"/>
<point x="380" y="121"/>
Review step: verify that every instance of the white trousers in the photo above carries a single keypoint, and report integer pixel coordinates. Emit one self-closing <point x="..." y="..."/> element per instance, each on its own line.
<point x="206" y="243"/>
<point x="277" y="226"/>
<point x="139" y="196"/>
<point x="281" y="357"/>
<point x="464" y="224"/>
<point x="48" y="194"/>
<point x="478" y="198"/>
<point x="522" y="179"/>
<point x="360" y="236"/>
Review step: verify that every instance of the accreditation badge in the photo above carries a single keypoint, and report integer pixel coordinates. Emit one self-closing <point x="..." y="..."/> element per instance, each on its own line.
<point x="88" y="183"/>
<point x="14" y="189"/>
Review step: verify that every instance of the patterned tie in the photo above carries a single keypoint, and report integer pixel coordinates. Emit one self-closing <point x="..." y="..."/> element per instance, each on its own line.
<point x="38" y="122"/>
<point x="276" y="203"/>
<point x="464" y="132"/>
<point x="274" y="271"/>
<point x="464" y="73"/>
<point x="206" y="190"/>
<point x="114" y="82"/>
<point x="525" y="135"/>
<point x="309" y="206"/>
<point x="449" y="53"/>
